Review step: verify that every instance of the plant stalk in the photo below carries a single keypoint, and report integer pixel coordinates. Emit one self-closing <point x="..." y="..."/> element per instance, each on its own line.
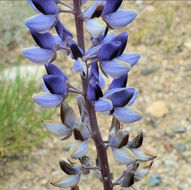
<point x="96" y="135"/>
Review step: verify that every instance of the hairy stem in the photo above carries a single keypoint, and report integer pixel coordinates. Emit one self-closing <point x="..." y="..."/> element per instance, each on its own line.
<point x="100" y="147"/>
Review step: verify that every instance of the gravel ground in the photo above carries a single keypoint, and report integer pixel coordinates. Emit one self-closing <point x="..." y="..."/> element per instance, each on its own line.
<point x="161" y="33"/>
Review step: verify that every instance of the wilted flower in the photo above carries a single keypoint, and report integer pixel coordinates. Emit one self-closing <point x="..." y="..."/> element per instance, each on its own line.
<point x="128" y="152"/>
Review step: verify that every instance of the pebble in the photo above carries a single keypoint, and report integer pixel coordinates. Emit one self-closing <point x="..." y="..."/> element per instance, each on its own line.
<point x="149" y="69"/>
<point x="155" y="180"/>
<point x="157" y="109"/>
<point x="179" y="129"/>
<point x="170" y="163"/>
<point x="180" y="148"/>
<point x="181" y="186"/>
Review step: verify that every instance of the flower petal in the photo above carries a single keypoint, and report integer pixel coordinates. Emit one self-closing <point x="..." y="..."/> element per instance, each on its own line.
<point x="40" y="22"/>
<point x="108" y="51"/>
<point x="120" y="99"/>
<point x="56" y="128"/>
<point x="120" y="18"/>
<point x="45" y="40"/>
<point x="47" y="100"/>
<point x="121" y="82"/>
<point x="96" y="27"/>
<point x="67" y="115"/>
<point x="38" y="55"/>
<point x="95" y="9"/>
<point x="142" y="155"/>
<point x="115" y="68"/>
<point x="140" y="174"/>
<point x="66" y="181"/>
<point x="52" y="69"/>
<point x="55" y="84"/>
<point x="46" y="7"/>
<point x="101" y="81"/>
<point x="78" y="149"/>
<point x="127" y="114"/>
<point x="109" y="92"/>
<point x="103" y="105"/>
<point x="111" y="6"/>
<point x="94" y="91"/>
<point x="123" y="155"/>
<point x="130" y="58"/>
<point x="62" y="31"/>
<point x="122" y="38"/>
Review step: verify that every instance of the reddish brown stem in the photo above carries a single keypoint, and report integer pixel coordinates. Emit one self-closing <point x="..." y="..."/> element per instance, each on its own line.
<point x="100" y="147"/>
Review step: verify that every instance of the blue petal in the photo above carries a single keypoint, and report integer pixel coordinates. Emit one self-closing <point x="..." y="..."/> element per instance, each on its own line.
<point x="75" y="50"/>
<point x="103" y="105"/>
<point x="122" y="38"/>
<point x="121" y="82"/>
<point x="111" y="6"/>
<point x="94" y="71"/>
<point x="130" y="58"/>
<point x="56" y="128"/>
<point x="127" y="114"/>
<point x="38" y="55"/>
<point x="108" y="37"/>
<point x="120" y="99"/>
<point x="40" y="22"/>
<point x="47" y="100"/>
<point x="94" y="91"/>
<point x="46" y="7"/>
<point x="78" y="149"/>
<point x="109" y="92"/>
<point x="62" y="31"/>
<point x="96" y="27"/>
<point x="55" y="84"/>
<point x="133" y="98"/>
<point x="77" y="66"/>
<point x="108" y="51"/>
<point x="101" y="81"/>
<point x="120" y="18"/>
<point x="44" y="87"/>
<point x="33" y="6"/>
<point x="115" y="68"/>
<point x="52" y="69"/>
<point x="94" y="10"/>
<point x="45" y="41"/>
<point x="123" y="155"/>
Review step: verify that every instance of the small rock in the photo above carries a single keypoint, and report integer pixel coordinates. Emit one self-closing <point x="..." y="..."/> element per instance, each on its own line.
<point x="171" y="163"/>
<point x="149" y="69"/>
<point x="187" y="45"/>
<point x="181" y="186"/>
<point x="179" y="129"/>
<point x="157" y="109"/>
<point x="155" y="180"/>
<point x="180" y="148"/>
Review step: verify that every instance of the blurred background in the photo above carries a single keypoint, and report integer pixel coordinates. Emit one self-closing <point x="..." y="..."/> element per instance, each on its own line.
<point x="162" y="35"/>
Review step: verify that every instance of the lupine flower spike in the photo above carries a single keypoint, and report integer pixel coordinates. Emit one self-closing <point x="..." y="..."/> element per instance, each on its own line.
<point x="105" y="58"/>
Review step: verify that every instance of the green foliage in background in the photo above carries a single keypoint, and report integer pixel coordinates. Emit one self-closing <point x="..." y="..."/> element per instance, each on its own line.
<point x="20" y="118"/>
<point x="12" y="16"/>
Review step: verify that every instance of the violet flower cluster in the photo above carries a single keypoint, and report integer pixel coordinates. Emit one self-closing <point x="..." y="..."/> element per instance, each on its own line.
<point x="105" y="58"/>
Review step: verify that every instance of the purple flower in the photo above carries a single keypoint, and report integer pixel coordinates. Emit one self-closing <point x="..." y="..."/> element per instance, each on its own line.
<point x="46" y="52"/>
<point x="121" y="98"/>
<point x="113" y="61"/>
<point x="108" y="12"/>
<point x="55" y="86"/>
<point x="46" y="19"/>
